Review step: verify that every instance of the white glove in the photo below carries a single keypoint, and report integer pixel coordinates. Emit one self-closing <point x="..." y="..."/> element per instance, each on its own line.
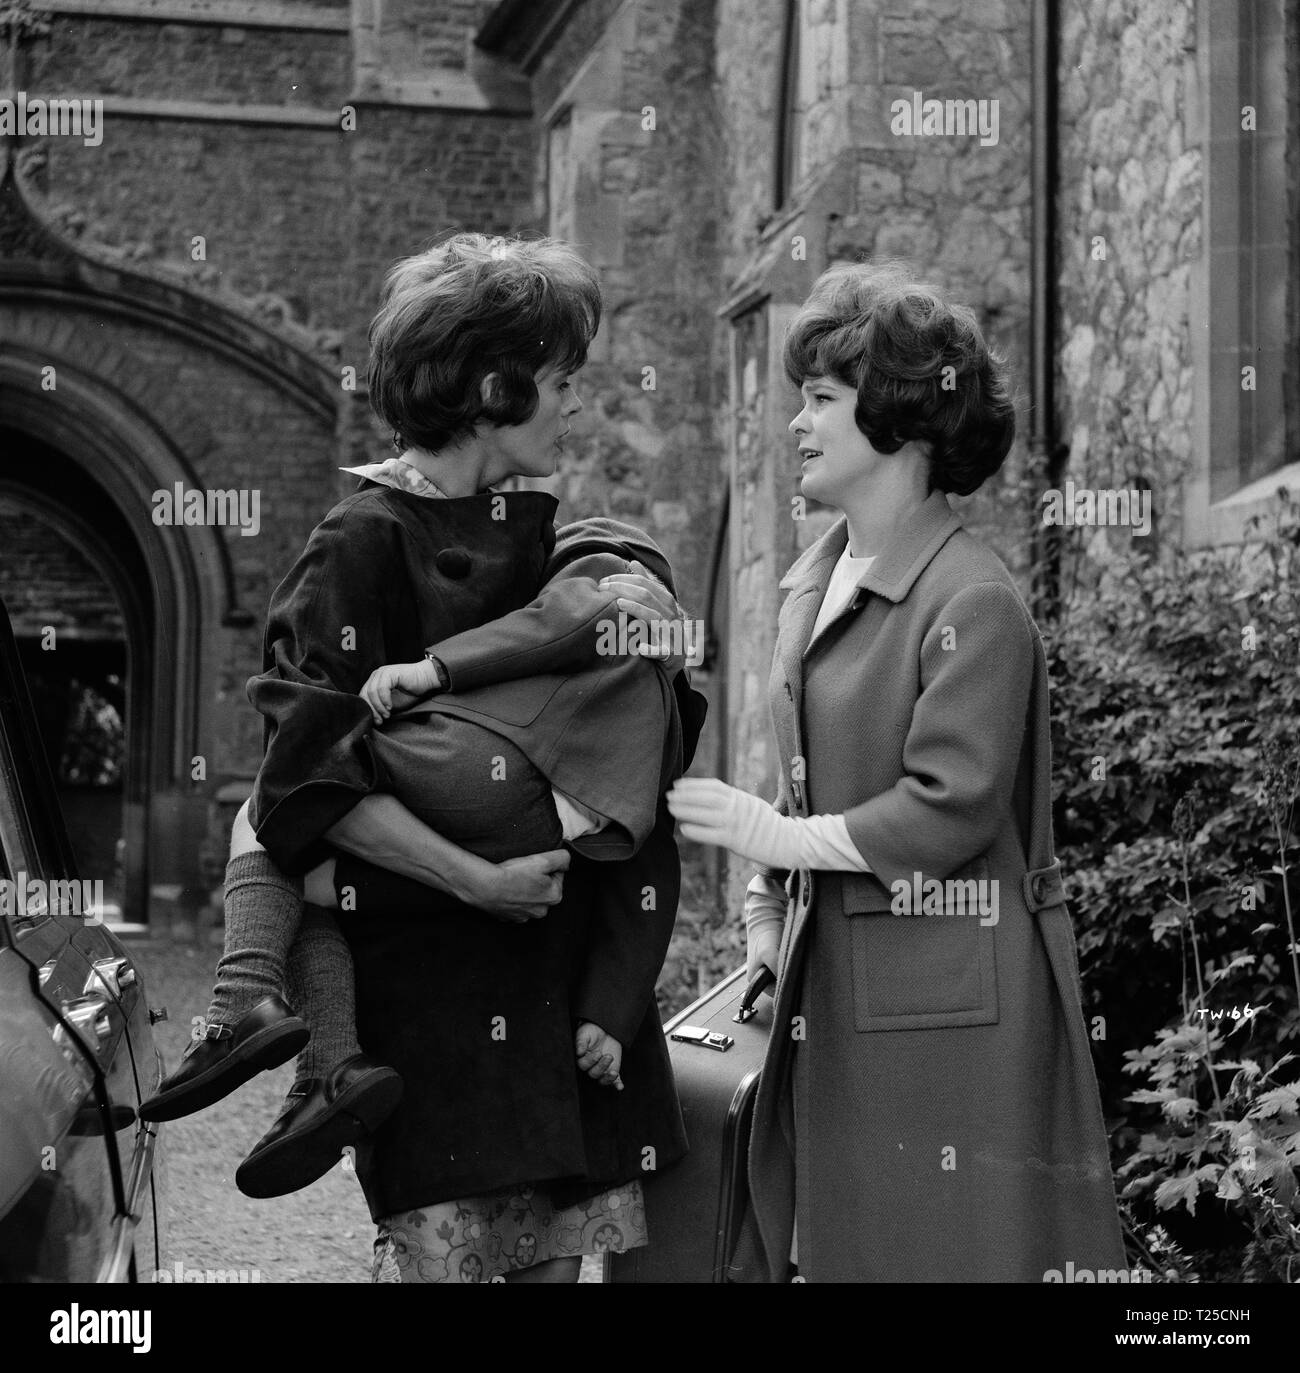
<point x="765" y="907"/>
<point x="711" y="812"/>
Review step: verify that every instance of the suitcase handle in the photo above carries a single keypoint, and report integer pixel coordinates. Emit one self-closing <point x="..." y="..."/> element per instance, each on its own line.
<point x="763" y="979"/>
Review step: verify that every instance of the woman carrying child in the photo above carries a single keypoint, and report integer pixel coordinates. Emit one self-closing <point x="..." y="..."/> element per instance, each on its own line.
<point x="472" y="355"/>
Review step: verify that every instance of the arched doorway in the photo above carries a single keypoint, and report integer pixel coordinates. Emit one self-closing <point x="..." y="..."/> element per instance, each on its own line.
<point x="77" y="588"/>
<point x="119" y="383"/>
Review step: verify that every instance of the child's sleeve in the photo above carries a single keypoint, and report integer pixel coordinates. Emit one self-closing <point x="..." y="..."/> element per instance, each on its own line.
<point x="634" y="908"/>
<point x="560" y="631"/>
<point x="324" y="636"/>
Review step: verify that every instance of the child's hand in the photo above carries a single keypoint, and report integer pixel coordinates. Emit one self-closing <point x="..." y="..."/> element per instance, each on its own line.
<point x="599" y="1055"/>
<point x="403" y="680"/>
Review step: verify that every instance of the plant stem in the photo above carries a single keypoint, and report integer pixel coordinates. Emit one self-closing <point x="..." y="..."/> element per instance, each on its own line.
<point x="1200" y="983"/>
<point x="1182" y="964"/>
<point x="1290" y="918"/>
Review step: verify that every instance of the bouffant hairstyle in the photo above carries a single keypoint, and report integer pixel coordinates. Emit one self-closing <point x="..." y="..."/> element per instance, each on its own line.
<point x="920" y="365"/>
<point x="469" y="306"/>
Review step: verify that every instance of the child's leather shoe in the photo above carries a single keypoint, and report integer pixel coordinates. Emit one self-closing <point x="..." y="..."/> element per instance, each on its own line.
<point x="226" y="1057"/>
<point x="322" y="1116"/>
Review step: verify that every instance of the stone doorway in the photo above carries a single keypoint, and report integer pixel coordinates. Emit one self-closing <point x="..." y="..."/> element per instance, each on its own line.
<point x="77" y="589"/>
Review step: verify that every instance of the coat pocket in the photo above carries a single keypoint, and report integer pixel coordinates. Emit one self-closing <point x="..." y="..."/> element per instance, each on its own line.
<point x="920" y="972"/>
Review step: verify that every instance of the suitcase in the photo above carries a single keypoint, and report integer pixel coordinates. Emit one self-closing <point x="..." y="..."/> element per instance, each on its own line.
<point x="694" y="1208"/>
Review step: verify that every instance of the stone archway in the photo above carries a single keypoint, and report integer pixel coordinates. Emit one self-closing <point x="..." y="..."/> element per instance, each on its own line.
<point x="90" y="354"/>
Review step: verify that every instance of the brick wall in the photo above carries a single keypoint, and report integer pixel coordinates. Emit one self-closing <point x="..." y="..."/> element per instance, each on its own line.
<point x="83" y="56"/>
<point x="45" y="579"/>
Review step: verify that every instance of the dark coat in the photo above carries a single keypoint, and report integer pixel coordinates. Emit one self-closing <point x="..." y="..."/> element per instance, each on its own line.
<point x="928" y="1105"/>
<point x="384" y="574"/>
<point x="476" y="1014"/>
<point x="605" y="729"/>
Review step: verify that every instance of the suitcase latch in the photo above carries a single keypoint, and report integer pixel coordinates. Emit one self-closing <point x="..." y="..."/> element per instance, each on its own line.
<point x="706" y="1039"/>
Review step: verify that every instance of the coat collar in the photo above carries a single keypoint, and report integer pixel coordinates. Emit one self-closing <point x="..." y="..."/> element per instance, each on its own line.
<point x="891" y="575"/>
<point x="897" y="567"/>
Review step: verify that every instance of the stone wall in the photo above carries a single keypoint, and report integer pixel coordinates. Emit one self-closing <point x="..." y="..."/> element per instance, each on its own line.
<point x="1129" y="241"/>
<point x="952" y="205"/>
<point x="644" y="204"/>
<point x="419" y="36"/>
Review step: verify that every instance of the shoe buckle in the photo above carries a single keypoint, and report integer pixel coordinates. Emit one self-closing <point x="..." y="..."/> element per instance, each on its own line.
<point x="217" y="1030"/>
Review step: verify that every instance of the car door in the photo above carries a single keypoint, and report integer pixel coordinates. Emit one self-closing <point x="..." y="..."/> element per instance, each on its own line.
<point x="75" y="1163"/>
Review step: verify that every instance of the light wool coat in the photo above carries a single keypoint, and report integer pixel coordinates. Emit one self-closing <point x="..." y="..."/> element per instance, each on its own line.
<point x="928" y="1106"/>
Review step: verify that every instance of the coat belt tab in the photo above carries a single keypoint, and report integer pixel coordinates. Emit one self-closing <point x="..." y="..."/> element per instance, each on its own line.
<point x="1043" y="887"/>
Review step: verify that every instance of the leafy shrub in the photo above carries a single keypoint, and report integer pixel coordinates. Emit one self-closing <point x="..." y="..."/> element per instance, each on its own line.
<point x="1242" y="1148"/>
<point x="708" y="943"/>
<point x="1176" y="688"/>
<point x="1168" y="678"/>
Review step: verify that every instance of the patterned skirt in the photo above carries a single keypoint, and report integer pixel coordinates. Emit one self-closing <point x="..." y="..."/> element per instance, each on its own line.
<point x="479" y="1239"/>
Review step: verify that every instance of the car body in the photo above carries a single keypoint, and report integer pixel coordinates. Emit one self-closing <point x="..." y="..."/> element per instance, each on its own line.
<point x="80" y="1174"/>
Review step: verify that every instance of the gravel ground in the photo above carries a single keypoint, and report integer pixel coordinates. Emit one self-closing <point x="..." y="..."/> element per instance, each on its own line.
<point x="321" y="1234"/>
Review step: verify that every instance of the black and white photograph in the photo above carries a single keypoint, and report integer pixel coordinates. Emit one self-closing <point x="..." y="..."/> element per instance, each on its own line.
<point x="651" y="642"/>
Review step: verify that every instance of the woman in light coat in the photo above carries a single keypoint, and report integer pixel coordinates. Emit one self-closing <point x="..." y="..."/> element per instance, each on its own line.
<point x="928" y="1109"/>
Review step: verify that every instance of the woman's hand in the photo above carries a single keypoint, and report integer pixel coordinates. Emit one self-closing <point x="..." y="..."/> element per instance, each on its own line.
<point x="711" y="812"/>
<point x="520" y="889"/>
<point x="765" y="908"/>
<point x="405" y="681"/>
<point x="600" y="1055"/>
<point x="642" y="596"/>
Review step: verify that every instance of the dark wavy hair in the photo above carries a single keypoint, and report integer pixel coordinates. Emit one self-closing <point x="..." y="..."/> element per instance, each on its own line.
<point x="469" y="306"/>
<point x="920" y="366"/>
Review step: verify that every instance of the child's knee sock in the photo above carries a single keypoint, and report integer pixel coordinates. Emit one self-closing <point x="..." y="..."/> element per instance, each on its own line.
<point x="322" y="991"/>
<point x="263" y="908"/>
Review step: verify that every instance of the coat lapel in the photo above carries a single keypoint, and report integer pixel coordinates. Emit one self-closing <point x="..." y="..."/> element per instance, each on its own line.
<point x="807" y="581"/>
<point x="892" y="575"/>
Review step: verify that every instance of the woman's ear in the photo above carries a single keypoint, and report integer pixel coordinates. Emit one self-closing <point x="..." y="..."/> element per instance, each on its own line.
<point x="489" y="390"/>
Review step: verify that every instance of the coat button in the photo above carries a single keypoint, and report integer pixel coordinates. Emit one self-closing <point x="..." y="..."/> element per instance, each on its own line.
<point x="1038" y="888"/>
<point x="453" y="563"/>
